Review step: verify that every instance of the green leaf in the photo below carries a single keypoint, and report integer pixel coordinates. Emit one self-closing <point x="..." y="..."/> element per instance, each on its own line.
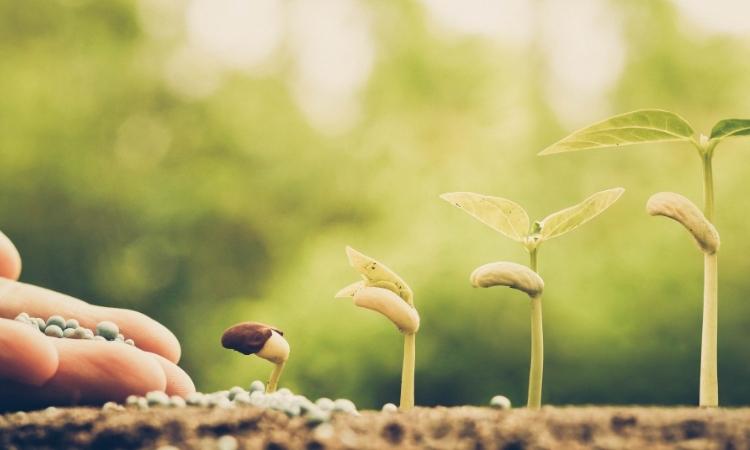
<point x="561" y="222"/>
<point x="375" y="274"/>
<point x="637" y="127"/>
<point x="500" y="214"/>
<point x="731" y="127"/>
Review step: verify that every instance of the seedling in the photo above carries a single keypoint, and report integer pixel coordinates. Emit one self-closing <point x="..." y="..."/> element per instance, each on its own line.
<point x="253" y="338"/>
<point x="383" y="291"/>
<point x="511" y="220"/>
<point x="651" y="126"/>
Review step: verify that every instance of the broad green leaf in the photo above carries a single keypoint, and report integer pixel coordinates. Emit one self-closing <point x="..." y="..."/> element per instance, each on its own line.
<point x="376" y="274"/>
<point x="731" y="127"/>
<point x="501" y="215"/>
<point x="637" y="127"/>
<point x="569" y="219"/>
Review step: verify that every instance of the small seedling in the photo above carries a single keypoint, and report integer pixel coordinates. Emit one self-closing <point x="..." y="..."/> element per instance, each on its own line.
<point x="652" y="126"/>
<point x="253" y="338"/>
<point x="511" y="220"/>
<point x="383" y="291"/>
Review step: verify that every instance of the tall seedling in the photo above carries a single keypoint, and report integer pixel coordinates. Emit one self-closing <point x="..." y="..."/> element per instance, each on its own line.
<point x="511" y="220"/>
<point x="651" y="126"/>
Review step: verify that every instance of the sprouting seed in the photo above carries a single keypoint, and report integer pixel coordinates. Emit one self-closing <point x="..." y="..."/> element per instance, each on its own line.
<point x="263" y="340"/>
<point x="382" y="290"/>
<point x="108" y="330"/>
<point x="53" y="331"/>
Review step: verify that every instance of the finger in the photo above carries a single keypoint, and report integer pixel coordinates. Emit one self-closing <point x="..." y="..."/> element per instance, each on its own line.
<point x="10" y="259"/>
<point x="26" y="355"/>
<point x="147" y="333"/>
<point x="89" y="373"/>
<point x="178" y="381"/>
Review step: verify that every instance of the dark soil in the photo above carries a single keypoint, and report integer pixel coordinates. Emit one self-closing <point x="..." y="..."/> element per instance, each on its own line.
<point x="468" y="428"/>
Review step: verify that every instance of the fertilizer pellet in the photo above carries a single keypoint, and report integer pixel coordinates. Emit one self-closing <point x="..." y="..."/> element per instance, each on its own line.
<point x="56" y="320"/>
<point x="283" y="400"/>
<point x="53" y="331"/>
<point x="108" y="330"/>
<point x="56" y="326"/>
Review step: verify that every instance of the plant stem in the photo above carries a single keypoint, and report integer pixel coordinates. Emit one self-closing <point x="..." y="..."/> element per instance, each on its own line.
<point x="709" y="379"/>
<point x="537" y="346"/>
<point x="273" y="382"/>
<point x="407" y="372"/>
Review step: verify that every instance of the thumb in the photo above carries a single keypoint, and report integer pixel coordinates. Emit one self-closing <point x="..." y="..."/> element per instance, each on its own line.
<point x="10" y="259"/>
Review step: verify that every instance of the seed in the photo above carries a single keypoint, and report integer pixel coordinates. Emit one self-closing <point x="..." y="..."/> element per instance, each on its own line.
<point x="500" y="402"/>
<point x="108" y="330"/>
<point x="53" y="331"/>
<point x="132" y="400"/>
<point x="79" y="333"/>
<point x="284" y="392"/>
<point x="176" y="401"/>
<point x="257" y="385"/>
<point x="130" y="342"/>
<point x="99" y="338"/>
<point x="390" y="408"/>
<point x="56" y="320"/>
<point x="69" y="333"/>
<point x="23" y="317"/>
<point x="72" y="323"/>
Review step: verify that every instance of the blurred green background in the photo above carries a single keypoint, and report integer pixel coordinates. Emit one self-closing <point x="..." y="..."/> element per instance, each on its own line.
<point x="206" y="162"/>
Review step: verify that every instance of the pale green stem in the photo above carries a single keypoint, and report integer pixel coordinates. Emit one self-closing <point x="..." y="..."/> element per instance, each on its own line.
<point x="273" y="382"/>
<point x="537" y="347"/>
<point x="407" y="372"/>
<point x="709" y="379"/>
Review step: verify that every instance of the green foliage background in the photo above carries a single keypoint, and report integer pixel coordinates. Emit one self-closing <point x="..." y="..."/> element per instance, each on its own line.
<point x="246" y="216"/>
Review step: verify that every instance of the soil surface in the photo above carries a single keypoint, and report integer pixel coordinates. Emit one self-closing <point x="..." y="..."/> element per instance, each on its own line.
<point x="470" y="428"/>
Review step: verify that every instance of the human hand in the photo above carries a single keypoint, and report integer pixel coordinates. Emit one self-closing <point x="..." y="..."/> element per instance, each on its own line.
<point x="38" y="370"/>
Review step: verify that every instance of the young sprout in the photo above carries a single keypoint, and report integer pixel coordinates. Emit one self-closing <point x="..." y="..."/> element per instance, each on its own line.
<point x="651" y="126"/>
<point x="511" y="220"/>
<point x="260" y="339"/>
<point x="383" y="291"/>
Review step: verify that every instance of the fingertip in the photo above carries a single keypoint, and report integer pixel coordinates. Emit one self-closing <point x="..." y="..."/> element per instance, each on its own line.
<point x="178" y="381"/>
<point x="99" y="371"/>
<point x="149" y="335"/>
<point x="10" y="259"/>
<point x="26" y="355"/>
